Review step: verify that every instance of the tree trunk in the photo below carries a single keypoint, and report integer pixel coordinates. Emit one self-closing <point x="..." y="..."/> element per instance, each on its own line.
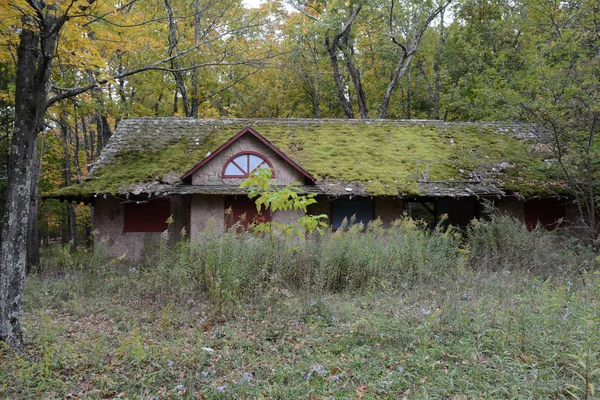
<point x="88" y="140"/>
<point x="33" y="231"/>
<point x="348" y="52"/>
<point x="106" y="131"/>
<point x="99" y="143"/>
<point x="408" y="95"/>
<point x="316" y="98"/>
<point x="407" y="54"/>
<point x="195" y="84"/>
<point x="76" y="149"/>
<point x="175" y="63"/>
<point x="333" y="46"/>
<point x="333" y="57"/>
<point x="34" y="59"/>
<point x="64" y="130"/>
<point x="401" y="70"/>
<point x="437" y="63"/>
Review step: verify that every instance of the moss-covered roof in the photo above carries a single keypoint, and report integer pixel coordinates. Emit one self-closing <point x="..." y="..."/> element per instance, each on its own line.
<point x="380" y="157"/>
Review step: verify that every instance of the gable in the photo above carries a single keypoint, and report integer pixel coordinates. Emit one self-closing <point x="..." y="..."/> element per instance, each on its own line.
<point x="212" y="171"/>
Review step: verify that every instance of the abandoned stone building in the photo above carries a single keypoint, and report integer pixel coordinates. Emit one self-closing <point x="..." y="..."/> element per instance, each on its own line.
<point x="191" y="170"/>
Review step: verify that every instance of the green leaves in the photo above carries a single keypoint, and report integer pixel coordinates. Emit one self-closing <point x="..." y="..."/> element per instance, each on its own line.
<point x="273" y="198"/>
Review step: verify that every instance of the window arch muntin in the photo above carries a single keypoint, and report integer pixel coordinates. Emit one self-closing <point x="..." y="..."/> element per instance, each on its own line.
<point x="246" y="171"/>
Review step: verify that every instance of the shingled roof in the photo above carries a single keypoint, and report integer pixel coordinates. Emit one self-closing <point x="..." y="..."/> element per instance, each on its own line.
<point x="356" y="157"/>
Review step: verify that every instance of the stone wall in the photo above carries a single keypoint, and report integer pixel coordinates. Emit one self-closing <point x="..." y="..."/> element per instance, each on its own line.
<point x="207" y="212"/>
<point x="107" y="228"/>
<point x="210" y="173"/>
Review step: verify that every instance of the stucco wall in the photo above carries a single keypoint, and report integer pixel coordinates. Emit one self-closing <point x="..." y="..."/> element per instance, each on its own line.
<point x="107" y="227"/>
<point x="206" y="212"/>
<point x="288" y="216"/>
<point x="210" y="173"/>
<point x="180" y="212"/>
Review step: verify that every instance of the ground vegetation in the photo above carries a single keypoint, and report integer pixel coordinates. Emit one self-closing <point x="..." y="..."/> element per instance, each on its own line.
<point x="404" y="313"/>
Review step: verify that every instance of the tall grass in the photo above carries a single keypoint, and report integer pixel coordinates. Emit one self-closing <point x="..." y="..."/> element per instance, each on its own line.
<point x="502" y="243"/>
<point x="233" y="268"/>
<point x="404" y="312"/>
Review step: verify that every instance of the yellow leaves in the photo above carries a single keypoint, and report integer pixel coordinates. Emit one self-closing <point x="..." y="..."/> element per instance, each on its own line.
<point x="6" y="97"/>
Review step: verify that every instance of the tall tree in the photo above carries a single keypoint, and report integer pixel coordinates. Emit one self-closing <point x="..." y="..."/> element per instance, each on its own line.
<point x="7" y="112"/>
<point x="564" y="54"/>
<point x="346" y="24"/>
<point x="38" y="38"/>
<point x="39" y="25"/>
<point x="406" y="30"/>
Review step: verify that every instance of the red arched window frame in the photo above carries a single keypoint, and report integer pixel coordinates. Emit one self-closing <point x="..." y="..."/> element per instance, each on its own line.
<point x="244" y="162"/>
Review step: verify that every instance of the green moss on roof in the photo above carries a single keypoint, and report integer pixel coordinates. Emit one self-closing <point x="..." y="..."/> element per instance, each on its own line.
<point x="386" y="156"/>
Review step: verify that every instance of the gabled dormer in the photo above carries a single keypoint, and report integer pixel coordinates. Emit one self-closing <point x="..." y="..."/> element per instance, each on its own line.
<point x="237" y="158"/>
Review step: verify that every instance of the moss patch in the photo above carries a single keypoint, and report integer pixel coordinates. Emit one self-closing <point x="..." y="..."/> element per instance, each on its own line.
<point x="388" y="157"/>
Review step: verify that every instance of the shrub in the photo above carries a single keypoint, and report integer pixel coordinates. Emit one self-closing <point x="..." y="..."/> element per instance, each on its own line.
<point x="503" y="243"/>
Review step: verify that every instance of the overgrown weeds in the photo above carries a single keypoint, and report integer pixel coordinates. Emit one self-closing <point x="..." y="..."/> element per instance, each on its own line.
<point x="405" y="312"/>
<point x="502" y="243"/>
<point x="230" y="269"/>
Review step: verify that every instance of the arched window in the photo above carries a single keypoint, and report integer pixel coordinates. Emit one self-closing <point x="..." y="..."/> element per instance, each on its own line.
<point x="243" y="164"/>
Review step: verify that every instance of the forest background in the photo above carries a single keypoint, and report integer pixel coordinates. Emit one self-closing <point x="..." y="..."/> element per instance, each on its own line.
<point x="71" y="70"/>
<point x="463" y="61"/>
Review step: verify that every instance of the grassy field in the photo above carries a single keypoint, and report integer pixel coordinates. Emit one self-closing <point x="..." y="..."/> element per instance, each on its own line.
<point x="192" y="326"/>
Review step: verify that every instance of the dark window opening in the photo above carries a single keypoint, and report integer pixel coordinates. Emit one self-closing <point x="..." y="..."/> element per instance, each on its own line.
<point x="146" y="217"/>
<point x="546" y="212"/>
<point x="422" y="211"/>
<point x="359" y="211"/>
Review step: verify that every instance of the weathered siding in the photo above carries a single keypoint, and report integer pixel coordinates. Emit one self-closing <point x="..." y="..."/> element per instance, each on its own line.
<point x="180" y="212"/>
<point x="210" y="174"/>
<point x="513" y="207"/>
<point x="108" y="230"/>
<point x="388" y="209"/>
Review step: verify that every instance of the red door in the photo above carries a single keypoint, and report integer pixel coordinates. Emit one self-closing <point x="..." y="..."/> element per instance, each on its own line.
<point x="242" y="211"/>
